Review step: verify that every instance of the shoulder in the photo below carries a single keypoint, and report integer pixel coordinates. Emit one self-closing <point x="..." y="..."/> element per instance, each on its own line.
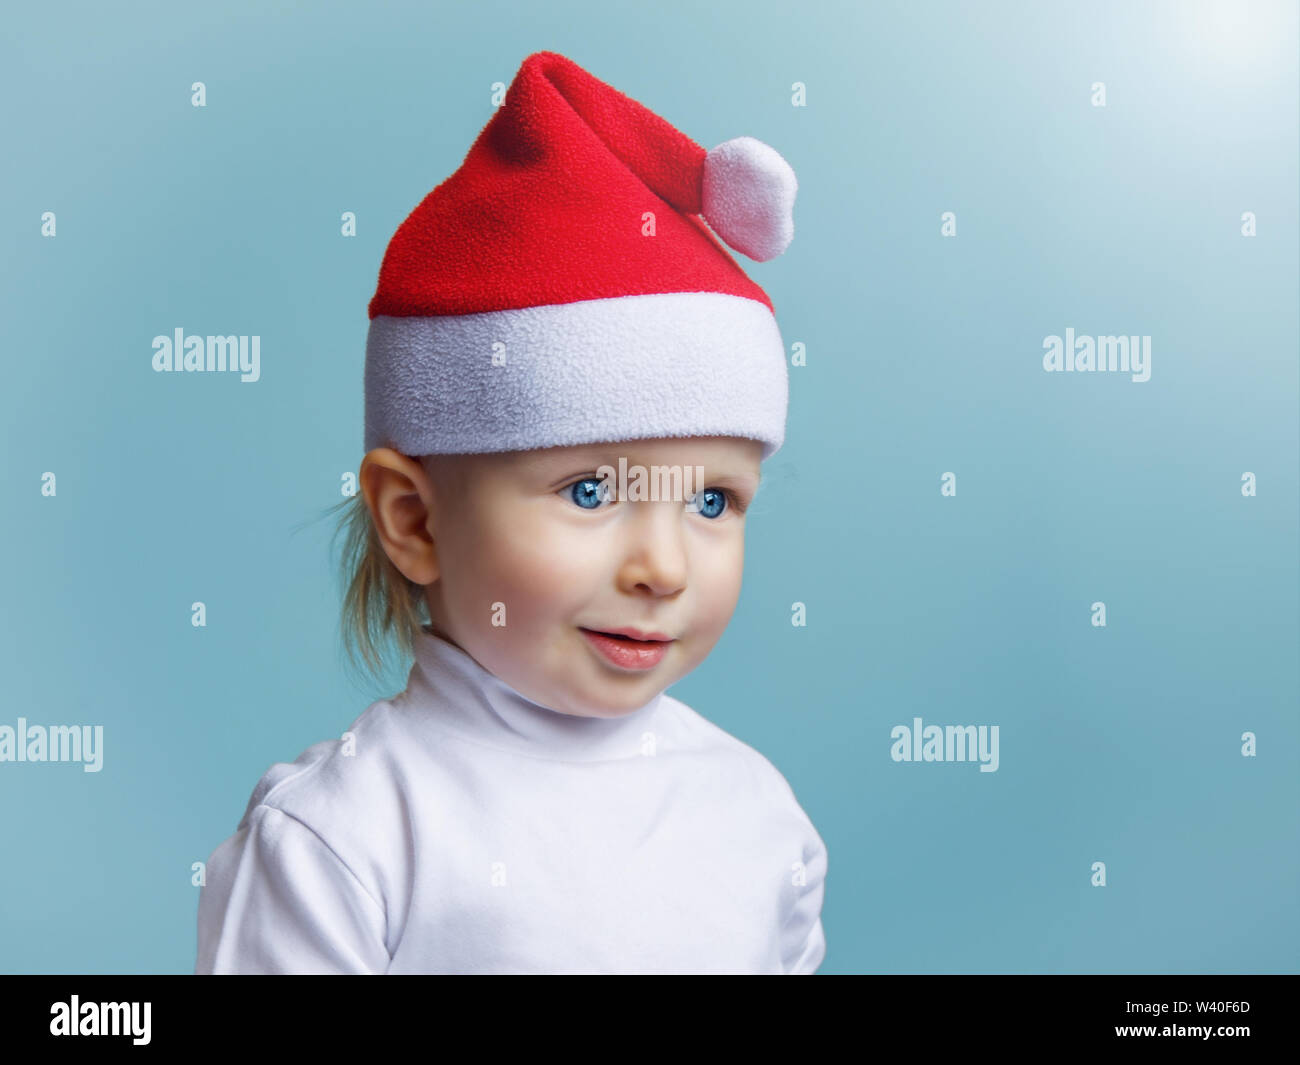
<point x="703" y="735"/>
<point x="337" y="768"/>
<point x="770" y="789"/>
<point x="351" y="792"/>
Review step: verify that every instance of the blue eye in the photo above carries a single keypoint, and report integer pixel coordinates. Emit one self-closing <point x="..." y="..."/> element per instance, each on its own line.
<point x="588" y="493"/>
<point x="711" y="502"/>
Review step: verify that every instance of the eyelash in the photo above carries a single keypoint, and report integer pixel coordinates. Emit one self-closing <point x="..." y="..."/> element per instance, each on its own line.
<point x="734" y="501"/>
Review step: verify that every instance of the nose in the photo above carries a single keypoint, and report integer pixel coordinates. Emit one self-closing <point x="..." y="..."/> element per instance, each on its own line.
<point x="655" y="558"/>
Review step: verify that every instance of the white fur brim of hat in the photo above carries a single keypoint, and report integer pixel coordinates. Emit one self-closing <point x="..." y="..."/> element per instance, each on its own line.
<point x="681" y="364"/>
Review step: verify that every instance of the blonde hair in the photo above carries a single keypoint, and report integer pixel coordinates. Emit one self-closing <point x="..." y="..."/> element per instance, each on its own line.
<point x="382" y="608"/>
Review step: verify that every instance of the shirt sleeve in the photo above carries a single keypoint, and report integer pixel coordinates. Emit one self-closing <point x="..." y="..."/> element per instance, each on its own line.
<point x="277" y="899"/>
<point x="803" y="942"/>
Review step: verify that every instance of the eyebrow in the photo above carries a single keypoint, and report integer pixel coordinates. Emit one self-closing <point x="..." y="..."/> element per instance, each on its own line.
<point x="590" y="457"/>
<point x="735" y="476"/>
<point x="592" y="460"/>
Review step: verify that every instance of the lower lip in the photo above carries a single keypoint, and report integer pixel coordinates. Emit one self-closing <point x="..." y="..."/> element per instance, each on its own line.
<point x="628" y="654"/>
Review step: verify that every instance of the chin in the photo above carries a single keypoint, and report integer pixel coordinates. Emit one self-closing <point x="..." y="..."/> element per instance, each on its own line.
<point x="621" y="709"/>
<point x="610" y="706"/>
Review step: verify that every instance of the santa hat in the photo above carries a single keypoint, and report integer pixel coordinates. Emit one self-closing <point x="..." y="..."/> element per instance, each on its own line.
<point x="561" y="288"/>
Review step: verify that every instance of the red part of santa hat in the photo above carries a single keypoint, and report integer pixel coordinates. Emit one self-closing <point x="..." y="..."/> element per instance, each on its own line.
<point x="561" y="287"/>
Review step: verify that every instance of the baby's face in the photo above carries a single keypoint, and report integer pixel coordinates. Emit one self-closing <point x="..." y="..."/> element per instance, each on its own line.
<point x="528" y="539"/>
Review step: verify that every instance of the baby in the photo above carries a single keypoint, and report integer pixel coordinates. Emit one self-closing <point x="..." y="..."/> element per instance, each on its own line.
<point x="570" y="387"/>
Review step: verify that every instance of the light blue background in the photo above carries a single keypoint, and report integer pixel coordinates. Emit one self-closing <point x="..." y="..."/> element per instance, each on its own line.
<point x="1119" y="745"/>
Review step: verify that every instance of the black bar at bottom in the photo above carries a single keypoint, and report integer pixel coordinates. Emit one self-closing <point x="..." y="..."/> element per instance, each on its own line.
<point x="1239" y="1016"/>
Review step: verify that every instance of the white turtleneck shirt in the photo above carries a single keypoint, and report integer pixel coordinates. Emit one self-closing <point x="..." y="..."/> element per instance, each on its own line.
<point x="459" y="827"/>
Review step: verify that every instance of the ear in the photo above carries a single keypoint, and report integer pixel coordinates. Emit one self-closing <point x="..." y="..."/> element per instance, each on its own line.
<point x="400" y="498"/>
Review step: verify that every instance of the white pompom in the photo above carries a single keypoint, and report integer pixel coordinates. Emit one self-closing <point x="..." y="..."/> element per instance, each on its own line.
<point x="748" y="197"/>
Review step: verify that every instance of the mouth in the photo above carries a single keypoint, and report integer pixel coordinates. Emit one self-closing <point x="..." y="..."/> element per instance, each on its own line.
<point x="633" y="634"/>
<point x="629" y="649"/>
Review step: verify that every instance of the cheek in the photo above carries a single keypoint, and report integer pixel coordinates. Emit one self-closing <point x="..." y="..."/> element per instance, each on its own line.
<point x="718" y="579"/>
<point x="537" y="570"/>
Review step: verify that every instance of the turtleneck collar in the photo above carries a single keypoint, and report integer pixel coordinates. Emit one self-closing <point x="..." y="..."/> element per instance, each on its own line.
<point x="463" y="698"/>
